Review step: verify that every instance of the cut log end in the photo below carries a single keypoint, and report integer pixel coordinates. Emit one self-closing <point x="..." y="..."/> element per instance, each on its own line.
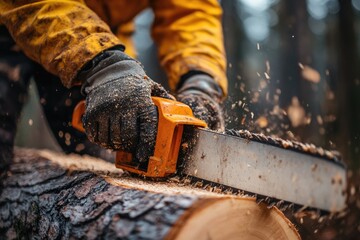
<point x="47" y="195"/>
<point x="233" y="218"/>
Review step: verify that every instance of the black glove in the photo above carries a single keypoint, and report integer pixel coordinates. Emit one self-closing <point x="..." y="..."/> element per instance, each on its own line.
<point x="203" y="95"/>
<point x="120" y="114"/>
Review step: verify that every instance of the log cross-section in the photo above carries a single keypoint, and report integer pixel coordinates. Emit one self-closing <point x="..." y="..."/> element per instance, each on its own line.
<point x="42" y="197"/>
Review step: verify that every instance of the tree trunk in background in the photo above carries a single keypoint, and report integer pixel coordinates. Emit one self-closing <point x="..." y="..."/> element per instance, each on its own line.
<point x="47" y="195"/>
<point x="233" y="40"/>
<point x="349" y="87"/>
<point x="289" y="80"/>
<point x="310" y="94"/>
<point x="297" y="48"/>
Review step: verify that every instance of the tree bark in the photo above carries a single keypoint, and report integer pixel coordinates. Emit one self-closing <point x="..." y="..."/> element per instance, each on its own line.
<point x="348" y="88"/>
<point x="46" y="195"/>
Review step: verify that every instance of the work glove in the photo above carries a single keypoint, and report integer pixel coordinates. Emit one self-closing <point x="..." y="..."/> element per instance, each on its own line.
<point x="120" y="114"/>
<point x="203" y="95"/>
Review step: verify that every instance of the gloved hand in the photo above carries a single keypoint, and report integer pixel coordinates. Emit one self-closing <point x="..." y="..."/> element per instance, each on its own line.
<point x="120" y="114"/>
<point x="203" y="95"/>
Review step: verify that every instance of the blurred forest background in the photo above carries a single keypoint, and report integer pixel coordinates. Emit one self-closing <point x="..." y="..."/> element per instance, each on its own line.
<point x="293" y="70"/>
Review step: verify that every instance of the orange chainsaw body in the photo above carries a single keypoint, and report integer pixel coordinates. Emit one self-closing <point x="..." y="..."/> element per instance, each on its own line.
<point x="172" y="117"/>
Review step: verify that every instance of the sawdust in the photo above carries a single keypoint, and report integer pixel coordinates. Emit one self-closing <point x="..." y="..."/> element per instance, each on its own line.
<point x="309" y="73"/>
<point x="74" y="162"/>
<point x="167" y="187"/>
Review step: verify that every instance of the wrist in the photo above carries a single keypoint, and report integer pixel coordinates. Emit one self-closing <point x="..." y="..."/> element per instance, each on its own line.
<point x="107" y="66"/>
<point x="199" y="82"/>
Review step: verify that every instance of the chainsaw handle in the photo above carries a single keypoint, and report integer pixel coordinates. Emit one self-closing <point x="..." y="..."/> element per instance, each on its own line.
<point x="172" y="116"/>
<point x="78" y="112"/>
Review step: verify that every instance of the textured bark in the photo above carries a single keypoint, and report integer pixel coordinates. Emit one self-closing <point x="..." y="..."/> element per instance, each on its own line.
<point x="44" y="197"/>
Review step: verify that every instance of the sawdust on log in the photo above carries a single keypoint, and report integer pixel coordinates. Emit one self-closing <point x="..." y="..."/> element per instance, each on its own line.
<point x="115" y="176"/>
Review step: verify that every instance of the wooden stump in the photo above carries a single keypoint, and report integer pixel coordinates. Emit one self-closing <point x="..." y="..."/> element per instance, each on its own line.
<point x="54" y="196"/>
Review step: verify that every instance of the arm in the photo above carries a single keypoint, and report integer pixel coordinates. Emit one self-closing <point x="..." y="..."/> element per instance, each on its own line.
<point x="60" y="35"/>
<point x="190" y="42"/>
<point x="70" y="41"/>
<point x="189" y="37"/>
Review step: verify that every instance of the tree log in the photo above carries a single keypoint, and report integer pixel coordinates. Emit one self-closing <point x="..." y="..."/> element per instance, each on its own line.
<point x="47" y="195"/>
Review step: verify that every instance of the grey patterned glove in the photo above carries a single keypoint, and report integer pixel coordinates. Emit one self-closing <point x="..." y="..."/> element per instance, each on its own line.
<point x="120" y="114"/>
<point x="203" y="95"/>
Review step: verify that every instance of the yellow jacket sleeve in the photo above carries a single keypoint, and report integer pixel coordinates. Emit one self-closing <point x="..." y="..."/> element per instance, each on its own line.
<point x="61" y="35"/>
<point x="189" y="37"/>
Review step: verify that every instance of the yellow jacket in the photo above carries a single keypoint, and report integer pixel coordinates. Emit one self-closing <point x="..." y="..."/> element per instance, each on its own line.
<point x="62" y="35"/>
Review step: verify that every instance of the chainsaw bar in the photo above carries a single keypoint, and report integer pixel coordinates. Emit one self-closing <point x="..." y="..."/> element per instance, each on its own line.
<point x="278" y="172"/>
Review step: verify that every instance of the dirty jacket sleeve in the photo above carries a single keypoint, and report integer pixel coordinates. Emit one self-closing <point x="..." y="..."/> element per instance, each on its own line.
<point x="189" y="37"/>
<point x="61" y="35"/>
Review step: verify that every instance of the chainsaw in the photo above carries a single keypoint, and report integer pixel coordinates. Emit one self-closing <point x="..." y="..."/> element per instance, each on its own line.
<point x="269" y="168"/>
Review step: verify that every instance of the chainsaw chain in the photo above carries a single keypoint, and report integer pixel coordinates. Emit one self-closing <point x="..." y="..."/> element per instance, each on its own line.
<point x="287" y="144"/>
<point x="286" y="207"/>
